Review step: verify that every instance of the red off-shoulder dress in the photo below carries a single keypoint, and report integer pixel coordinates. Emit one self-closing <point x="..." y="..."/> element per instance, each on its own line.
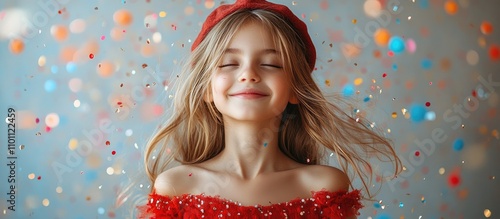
<point x="322" y="204"/>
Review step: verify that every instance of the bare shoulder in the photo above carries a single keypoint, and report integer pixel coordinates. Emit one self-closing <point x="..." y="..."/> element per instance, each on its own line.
<point x="173" y="182"/>
<point x="318" y="177"/>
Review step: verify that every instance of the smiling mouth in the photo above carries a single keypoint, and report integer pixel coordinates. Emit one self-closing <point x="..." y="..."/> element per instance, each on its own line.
<point x="249" y="95"/>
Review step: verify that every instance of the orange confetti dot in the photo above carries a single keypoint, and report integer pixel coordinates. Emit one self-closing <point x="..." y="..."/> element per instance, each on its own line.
<point x="16" y="46"/>
<point x="107" y="143"/>
<point x="382" y="37"/>
<point x="486" y="28"/>
<point x="105" y="69"/>
<point x="59" y="32"/>
<point x="122" y="17"/>
<point x="451" y="7"/>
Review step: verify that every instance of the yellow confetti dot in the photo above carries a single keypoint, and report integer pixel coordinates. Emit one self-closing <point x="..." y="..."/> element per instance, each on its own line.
<point x="59" y="189"/>
<point x="31" y="176"/>
<point x="162" y="14"/>
<point x="487" y="213"/>
<point x="442" y="170"/>
<point x="73" y="144"/>
<point x="354" y="21"/>
<point x="327" y="82"/>
<point x="358" y="81"/>
<point x="495" y="133"/>
<point x="394" y="115"/>
<point x="45" y="202"/>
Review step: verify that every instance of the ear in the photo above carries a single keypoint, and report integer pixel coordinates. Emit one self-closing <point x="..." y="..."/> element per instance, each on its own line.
<point x="293" y="98"/>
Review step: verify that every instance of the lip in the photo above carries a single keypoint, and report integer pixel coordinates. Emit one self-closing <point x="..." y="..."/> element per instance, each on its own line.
<point x="249" y="93"/>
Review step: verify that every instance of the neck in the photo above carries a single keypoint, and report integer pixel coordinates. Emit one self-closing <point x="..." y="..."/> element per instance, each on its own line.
<point x="251" y="147"/>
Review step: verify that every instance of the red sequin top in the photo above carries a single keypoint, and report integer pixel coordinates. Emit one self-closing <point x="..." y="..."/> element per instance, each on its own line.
<point x="322" y="204"/>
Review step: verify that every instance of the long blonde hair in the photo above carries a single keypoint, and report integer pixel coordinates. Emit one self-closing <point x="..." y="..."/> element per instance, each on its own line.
<point x="308" y="130"/>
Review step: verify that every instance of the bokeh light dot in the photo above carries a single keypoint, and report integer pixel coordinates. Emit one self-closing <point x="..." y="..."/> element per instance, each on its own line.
<point x="59" y="32"/>
<point x="157" y="37"/>
<point x="16" y="46"/>
<point x="358" y="81"/>
<point x="31" y="176"/>
<point x="54" y="69"/>
<point x="46" y="202"/>
<point x="487" y="213"/>
<point x="396" y="44"/>
<point x="76" y="103"/>
<point x="451" y="7"/>
<point x="70" y="67"/>
<point x="77" y="26"/>
<point x="52" y="120"/>
<point x="41" y="61"/>
<point x="372" y="8"/>
<point x="472" y="57"/>
<point x="348" y="90"/>
<point x="458" y="144"/>
<point x="73" y="144"/>
<point x="411" y="46"/>
<point x="442" y="170"/>
<point x="430" y="115"/>
<point x="486" y="28"/>
<point x="50" y="85"/>
<point x="129" y="132"/>
<point x="59" y="189"/>
<point x="162" y="14"/>
<point x="382" y="37"/>
<point x="75" y="84"/>
<point x="122" y="17"/>
<point x="100" y="210"/>
<point x="110" y="170"/>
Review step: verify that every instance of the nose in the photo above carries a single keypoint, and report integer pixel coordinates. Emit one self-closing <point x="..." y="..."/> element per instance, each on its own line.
<point x="249" y="74"/>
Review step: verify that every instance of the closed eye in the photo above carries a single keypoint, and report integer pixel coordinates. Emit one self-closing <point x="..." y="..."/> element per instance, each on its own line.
<point x="227" y="65"/>
<point x="271" y="65"/>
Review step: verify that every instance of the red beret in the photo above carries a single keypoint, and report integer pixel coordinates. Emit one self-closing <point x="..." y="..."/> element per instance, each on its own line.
<point x="227" y="9"/>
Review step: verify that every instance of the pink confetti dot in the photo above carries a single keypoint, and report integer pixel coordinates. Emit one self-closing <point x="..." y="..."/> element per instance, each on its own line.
<point x="47" y="129"/>
<point x="103" y="37"/>
<point x="37" y="120"/>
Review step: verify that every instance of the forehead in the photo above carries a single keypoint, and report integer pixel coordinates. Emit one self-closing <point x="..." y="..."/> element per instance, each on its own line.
<point x="253" y="35"/>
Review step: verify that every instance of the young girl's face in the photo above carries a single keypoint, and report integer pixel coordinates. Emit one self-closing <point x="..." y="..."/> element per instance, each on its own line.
<point x="250" y="83"/>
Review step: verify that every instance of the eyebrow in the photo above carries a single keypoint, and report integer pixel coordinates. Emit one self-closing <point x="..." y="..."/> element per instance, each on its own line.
<point x="264" y="51"/>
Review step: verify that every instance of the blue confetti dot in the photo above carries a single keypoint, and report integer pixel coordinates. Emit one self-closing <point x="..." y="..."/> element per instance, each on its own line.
<point x="398" y="21"/>
<point x="50" y="85"/>
<point x="424" y="4"/>
<point x="394" y="67"/>
<point x="90" y="175"/>
<point x="376" y="205"/>
<point x="401" y="204"/>
<point x="417" y="113"/>
<point x="265" y="144"/>
<point x="71" y="67"/>
<point x="54" y="69"/>
<point x="100" y="210"/>
<point x="383" y="216"/>
<point x="458" y="144"/>
<point x="426" y="64"/>
<point x="430" y="116"/>
<point x="366" y="99"/>
<point x="397" y="44"/>
<point x="348" y="90"/>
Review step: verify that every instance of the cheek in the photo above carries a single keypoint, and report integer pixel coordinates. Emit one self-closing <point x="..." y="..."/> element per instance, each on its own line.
<point x="220" y="84"/>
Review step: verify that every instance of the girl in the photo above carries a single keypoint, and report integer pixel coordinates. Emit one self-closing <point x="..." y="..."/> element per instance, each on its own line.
<point x="250" y="127"/>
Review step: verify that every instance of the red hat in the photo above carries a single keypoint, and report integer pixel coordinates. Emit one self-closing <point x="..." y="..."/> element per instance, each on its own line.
<point x="225" y="10"/>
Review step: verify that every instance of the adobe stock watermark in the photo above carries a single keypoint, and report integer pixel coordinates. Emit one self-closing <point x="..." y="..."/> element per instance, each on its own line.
<point x="454" y="115"/>
<point x="363" y="37"/>
<point x="39" y="19"/>
<point x="94" y="137"/>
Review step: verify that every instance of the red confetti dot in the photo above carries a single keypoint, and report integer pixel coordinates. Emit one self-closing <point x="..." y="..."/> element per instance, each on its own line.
<point x="417" y="153"/>
<point x="113" y="152"/>
<point x="427" y="104"/>
<point x="494" y="52"/>
<point x="454" y="180"/>
<point x="390" y="53"/>
<point x="190" y="174"/>
<point x="384" y="75"/>
<point x="47" y="129"/>
<point x="474" y="93"/>
<point x="108" y="143"/>
<point x="91" y="56"/>
<point x="37" y="120"/>
<point x="39" y="177"/>
<point x="119" y="103"/>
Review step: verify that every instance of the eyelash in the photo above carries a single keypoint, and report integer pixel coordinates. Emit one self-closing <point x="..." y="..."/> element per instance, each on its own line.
<point x="267" y="65"/>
